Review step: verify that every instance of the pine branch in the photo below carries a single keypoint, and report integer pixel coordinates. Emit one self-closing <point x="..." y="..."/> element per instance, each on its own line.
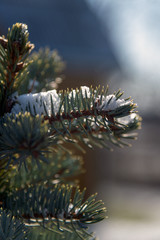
<point x="22" y="138"/>
<point x="55" y="207"/>
<point x="86" y="115"/>
<point x="14" y="51"/>
<point x="66" y="105"/>
<point x="11" y="228"/>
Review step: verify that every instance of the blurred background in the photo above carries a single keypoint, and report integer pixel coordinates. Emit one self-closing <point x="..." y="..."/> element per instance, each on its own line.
<point x="114" y="42"/>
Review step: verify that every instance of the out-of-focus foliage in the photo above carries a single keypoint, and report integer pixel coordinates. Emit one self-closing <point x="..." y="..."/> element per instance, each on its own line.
<point x="44" y="73"/>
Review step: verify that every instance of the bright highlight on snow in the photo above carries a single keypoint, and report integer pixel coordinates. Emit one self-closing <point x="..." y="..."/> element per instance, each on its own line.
<point x="24" y="28"/>
<point x="110" y="103"/>
<point x="85" y="92"/>
<point x="128" y="119"/>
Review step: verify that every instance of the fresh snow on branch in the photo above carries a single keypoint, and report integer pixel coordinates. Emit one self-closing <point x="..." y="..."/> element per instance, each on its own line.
<point x="24" y="28"/>
<point x="40" y="103"/>
<point x="128" y="119"/>
<point x="85" y="92"/>
<point x="110" y="103"/>
<point x="35" y="103"/>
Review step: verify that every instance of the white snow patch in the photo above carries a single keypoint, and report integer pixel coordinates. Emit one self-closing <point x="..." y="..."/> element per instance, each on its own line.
<point x="36" y="101"/>
<point x="24" y="28"/>
<point x="128" y="119"/>
<point x="111" y="103"/>
<point x="85" y="91"/>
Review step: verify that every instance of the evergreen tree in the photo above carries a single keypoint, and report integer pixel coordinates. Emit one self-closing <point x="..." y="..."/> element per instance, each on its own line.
<point x="39" y="126"/>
